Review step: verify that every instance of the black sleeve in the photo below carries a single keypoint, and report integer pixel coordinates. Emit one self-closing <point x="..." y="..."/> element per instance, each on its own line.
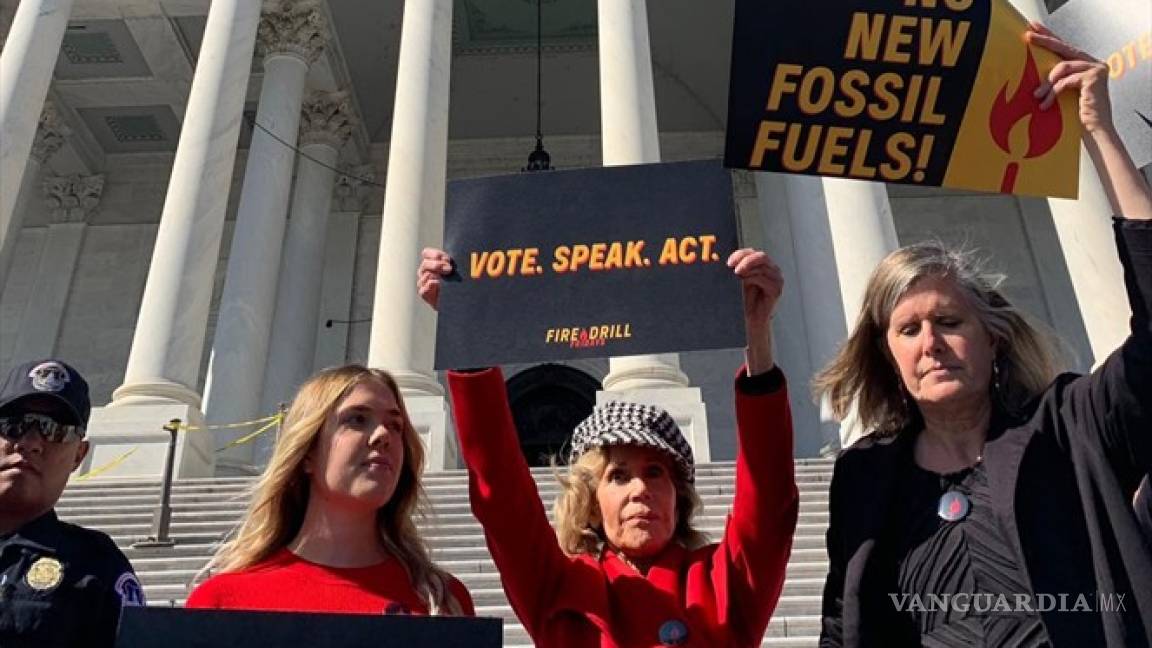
<point x="103" y="618"/>
<point x="1134" y="240"/>
<point x="1114" y="403"/>
<point x="832" y="605"/>
<point x="119" y="585"/>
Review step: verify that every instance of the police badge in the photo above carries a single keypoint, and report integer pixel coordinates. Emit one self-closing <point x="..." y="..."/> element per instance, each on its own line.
<point x="44" y="574"/>
<point x="49" y="377"/>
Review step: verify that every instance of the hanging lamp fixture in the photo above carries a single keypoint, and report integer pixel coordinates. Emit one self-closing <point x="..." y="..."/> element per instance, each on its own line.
<point x="538" y="159"/>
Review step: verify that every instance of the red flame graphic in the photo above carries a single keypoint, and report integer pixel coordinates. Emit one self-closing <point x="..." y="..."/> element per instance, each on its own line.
<point x="1044" y="128"/>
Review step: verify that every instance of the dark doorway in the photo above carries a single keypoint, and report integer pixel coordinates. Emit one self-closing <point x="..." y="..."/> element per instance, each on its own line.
<point x="548" y="402"/>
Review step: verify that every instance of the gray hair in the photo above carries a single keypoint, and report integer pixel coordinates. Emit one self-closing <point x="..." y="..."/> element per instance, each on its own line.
<point x="862" y="373"/>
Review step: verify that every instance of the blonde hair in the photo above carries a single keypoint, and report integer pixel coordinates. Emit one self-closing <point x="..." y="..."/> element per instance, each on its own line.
<point x="578" y="524"/>
<point x="280" y="497"/>
<point x="863" y="372"/>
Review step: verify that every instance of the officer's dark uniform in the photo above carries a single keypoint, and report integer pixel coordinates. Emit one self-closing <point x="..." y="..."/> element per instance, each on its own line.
<point x="63" y="586"/>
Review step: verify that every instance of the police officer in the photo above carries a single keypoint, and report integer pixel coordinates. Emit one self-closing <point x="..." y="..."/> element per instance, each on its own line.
<point x="60" y="585"/>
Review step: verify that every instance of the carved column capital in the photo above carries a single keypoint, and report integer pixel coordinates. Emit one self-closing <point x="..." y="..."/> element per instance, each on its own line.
<point x="352" y="187"/>
<point x="73" y="198"/>
<point x="51" y="132"/>
<point x="292" y="27"/>
<point x="326" y="118"/>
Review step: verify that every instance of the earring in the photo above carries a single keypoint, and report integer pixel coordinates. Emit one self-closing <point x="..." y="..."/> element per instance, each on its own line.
<point x="903" y="394"/>
<point x="996" y="388"/>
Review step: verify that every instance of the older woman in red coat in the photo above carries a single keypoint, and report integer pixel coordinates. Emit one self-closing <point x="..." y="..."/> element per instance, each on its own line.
<point x="625" y="568"/>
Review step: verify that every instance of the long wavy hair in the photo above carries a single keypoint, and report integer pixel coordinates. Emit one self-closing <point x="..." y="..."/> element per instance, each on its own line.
<point x="577" y="512"/>
<point x="864" y="374"/>
<point x="280" y="497"/>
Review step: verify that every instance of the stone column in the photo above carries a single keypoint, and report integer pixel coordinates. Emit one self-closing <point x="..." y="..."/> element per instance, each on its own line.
<point x="326" y="124"/>
<point x="335" y="275"/>
<point x="26" y="65"/>
<point x="862" y="233"/>
<point x="840" y="230"/>
<point x="164" y="364"/>
<point x="629" y="135"/>
<point x="353" y="190"/>
<point x="790" y="331"/>
<point x="49" y="138"/>
<point x="291" y="36"/>
<point x="71" y="202"/>
<point x="1084" y="228"/>
<point x="403" y="328"/>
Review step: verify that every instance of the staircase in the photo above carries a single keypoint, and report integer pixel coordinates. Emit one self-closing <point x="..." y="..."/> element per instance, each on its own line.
<point x="204" y="510"/>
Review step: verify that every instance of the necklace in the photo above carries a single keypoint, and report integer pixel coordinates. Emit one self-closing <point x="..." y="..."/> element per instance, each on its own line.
<point x="624" y="559"/>
<point x="954" y="504"/>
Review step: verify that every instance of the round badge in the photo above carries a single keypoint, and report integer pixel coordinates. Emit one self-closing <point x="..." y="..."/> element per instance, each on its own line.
<point x="44" y="574"/>
<point x="673" y="633"/>
<point x="953" y="507"/>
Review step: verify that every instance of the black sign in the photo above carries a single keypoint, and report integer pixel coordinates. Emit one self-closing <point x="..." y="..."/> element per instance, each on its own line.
<point x="181" y="628"/>
<point x="926" y="92"/>
<point x="589" y="263"/>
<point x="1118" y="32"/>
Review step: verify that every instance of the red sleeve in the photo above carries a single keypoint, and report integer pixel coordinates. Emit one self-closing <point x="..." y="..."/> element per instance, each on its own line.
<point x="505" y="499"/>
<point x="462" y="596"/>
<point x="206" y="595"/>
<point x="758" y="538"/>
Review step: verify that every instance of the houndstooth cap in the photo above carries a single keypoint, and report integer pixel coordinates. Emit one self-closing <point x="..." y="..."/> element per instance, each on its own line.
<point x="617" y="423"/>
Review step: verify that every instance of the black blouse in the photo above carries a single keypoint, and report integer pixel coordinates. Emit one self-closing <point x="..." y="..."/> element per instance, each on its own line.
<point x="959" y="580"/>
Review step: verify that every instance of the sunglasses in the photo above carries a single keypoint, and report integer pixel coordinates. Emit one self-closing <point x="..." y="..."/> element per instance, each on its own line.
<point x="14" y="428"/>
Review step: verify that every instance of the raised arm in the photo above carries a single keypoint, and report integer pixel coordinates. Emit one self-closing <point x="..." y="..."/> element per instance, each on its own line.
<point x="1127" y="191"/>
<point x="1115" y="402"/>
<point x="503" y="494"/>
<point x="832" y="602"/>
<point x="758" y="538"/>
<point x="505" y="499"/>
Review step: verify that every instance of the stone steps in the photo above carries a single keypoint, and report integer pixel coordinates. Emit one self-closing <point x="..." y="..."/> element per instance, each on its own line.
<point x="712" y="518"/>
<point x="193" y="501"/>
<point x="206" y="510"/>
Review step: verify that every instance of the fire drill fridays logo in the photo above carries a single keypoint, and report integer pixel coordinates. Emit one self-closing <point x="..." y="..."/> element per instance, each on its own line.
<point x="580" y="337"/>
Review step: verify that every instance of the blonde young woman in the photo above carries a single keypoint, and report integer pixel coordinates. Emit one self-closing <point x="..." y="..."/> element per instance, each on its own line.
<point x="991" y="504"/>
<point x="330" y="527"/>
<point x="627" y="569"/>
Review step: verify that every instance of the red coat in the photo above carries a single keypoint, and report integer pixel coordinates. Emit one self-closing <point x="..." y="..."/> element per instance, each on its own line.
<point x="723" y="593"/>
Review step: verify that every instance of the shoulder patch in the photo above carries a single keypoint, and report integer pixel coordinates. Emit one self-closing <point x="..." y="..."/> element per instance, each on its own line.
<point x="129" y="590"/>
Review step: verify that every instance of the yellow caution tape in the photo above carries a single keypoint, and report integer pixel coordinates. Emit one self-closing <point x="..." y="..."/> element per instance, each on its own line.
<point x="229" y="426"/>
<point x="268" y="421"/>
<point x="106" y="467"/>
<point x="249" y="437"/>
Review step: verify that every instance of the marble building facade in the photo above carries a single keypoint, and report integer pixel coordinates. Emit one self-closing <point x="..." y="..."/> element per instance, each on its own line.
<point x="205" y="202"/>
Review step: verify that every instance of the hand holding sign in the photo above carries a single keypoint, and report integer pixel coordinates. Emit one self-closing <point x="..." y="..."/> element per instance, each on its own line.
<point x="1118" y="32"/>
<point x="1128" y="193"/>
<point x="762" y="284"/>
<point x="1077" y="70"/>
<point x="434" y="264"/>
